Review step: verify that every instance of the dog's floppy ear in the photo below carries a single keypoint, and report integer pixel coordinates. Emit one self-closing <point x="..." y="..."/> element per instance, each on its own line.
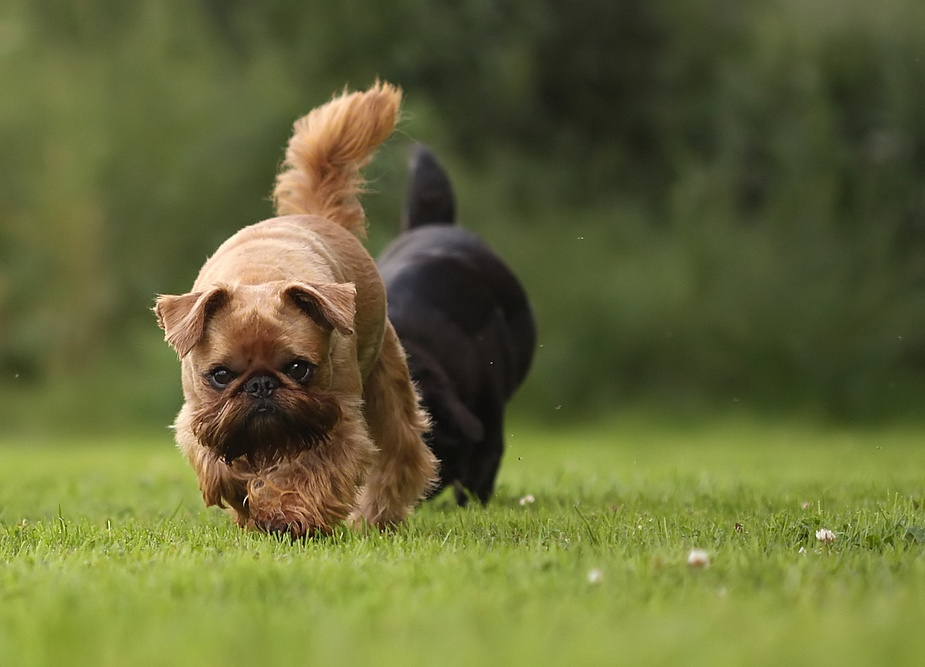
<point x="461" y="418"/>
<point x="457" y="421"/>
<point x="183" y="318"/>
<point x="331" y="305"/>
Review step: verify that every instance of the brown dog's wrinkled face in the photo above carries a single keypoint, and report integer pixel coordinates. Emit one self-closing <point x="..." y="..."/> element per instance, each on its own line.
<point x="257" y="366"/>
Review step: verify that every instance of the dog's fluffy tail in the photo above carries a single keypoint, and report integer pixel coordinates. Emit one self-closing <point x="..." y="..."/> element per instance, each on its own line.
<point x="329" y="146"/>
<point x="430" y="199"/>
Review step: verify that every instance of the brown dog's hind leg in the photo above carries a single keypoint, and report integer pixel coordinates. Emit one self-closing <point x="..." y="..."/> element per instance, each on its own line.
<point x="405" y="468"/>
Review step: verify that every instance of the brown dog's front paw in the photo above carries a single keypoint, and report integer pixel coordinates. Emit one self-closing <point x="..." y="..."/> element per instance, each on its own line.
<point x="294" y="529"/>
<point x="292" y="523"/>
<point x="273" y="508"/>
<point x="360" y="524"/>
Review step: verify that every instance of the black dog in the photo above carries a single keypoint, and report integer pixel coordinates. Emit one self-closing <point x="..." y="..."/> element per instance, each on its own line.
<point x="467" y="327"/>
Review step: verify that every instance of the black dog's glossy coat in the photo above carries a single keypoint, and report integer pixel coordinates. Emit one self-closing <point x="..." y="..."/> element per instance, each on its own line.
<point x="467" y="327"/>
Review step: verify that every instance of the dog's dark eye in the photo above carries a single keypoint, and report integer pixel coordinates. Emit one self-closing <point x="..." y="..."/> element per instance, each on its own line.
<point x="219" y="377"/>
<point x="300" y="370"/>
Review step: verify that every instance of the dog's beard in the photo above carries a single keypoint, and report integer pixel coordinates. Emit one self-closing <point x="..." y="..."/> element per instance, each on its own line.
<point x="266" y="431"/>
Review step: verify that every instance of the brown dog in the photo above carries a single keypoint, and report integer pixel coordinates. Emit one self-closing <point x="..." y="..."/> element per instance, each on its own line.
<point x="299" y="411"/>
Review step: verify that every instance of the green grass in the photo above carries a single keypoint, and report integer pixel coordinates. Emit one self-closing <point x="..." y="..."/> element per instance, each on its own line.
<point x="107" y="557"/>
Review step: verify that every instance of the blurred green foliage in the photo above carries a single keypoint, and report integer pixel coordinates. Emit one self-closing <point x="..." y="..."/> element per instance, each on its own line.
<point x="710" y="202"/>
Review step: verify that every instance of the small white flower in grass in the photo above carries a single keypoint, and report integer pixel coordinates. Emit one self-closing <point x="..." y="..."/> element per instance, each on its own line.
<point x="527" y="500"/>
<point x="698" y="558"/>
<point x="595" y="576"/>
<point x="825" y="536"/>
<point x="802" y="551"/>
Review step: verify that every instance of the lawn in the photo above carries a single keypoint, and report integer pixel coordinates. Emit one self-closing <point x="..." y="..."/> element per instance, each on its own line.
<point x="109" y="558"/>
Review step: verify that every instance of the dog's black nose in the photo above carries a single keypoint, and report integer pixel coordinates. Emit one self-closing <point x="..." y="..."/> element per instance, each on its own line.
<point x="261" y="386"/>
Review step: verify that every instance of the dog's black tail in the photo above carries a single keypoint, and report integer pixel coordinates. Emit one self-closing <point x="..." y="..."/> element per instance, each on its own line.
<point x="430" y="198"/>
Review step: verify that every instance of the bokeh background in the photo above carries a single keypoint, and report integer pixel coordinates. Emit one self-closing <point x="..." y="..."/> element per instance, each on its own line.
<point x="715" y="204"/>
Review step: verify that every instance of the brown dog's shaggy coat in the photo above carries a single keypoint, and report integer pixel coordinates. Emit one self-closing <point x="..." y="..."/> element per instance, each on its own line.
<point x="299" y="411"/>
